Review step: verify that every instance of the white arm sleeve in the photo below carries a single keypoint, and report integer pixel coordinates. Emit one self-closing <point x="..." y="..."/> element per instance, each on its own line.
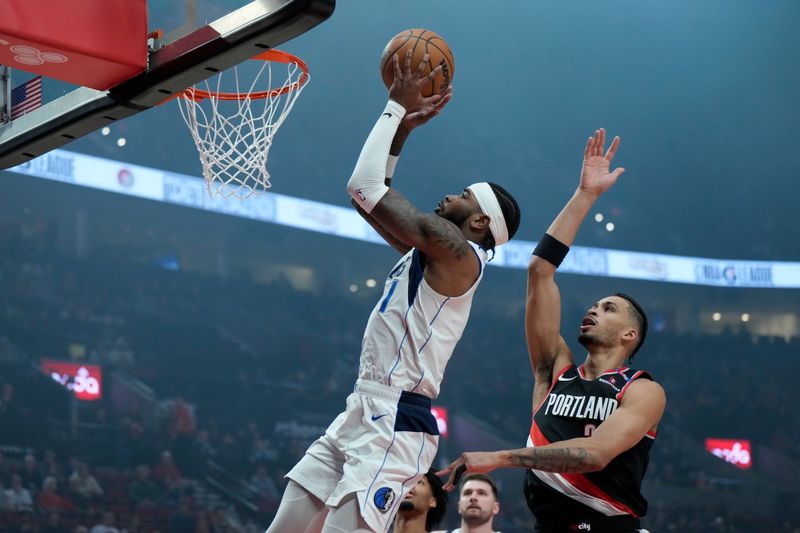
<point x="366" y="185"/>
<point x="391" y="163"/>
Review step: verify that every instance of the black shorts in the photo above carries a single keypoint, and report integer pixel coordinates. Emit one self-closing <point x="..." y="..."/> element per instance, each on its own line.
<point x="589" y="524"/>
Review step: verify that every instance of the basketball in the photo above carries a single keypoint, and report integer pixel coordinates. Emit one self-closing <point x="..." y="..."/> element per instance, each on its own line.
<point x="421" y="42"/>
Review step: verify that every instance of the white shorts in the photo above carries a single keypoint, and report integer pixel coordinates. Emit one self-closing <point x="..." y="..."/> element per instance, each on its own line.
<point x="378" y="447"/>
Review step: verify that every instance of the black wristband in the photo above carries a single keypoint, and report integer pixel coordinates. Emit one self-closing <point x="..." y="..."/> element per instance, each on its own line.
<point x="551" y="250"/>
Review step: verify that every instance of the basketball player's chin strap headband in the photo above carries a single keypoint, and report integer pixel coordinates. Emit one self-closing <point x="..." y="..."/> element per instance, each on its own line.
<point x="367" y="185"/>
<point x="491" y="207"/>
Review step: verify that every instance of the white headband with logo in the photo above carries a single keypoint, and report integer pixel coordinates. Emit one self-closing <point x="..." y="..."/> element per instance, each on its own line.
<point x="491" y="208"/>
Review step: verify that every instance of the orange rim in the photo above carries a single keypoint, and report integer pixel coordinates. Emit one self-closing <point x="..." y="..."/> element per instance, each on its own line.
<point x="276" y="56"/>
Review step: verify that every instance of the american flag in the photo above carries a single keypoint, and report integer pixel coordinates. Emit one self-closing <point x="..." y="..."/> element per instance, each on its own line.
<point x="26" y="97"/>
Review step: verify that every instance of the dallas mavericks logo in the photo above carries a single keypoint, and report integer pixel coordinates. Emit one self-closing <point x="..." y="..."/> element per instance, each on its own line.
<point x="383" y="499"/>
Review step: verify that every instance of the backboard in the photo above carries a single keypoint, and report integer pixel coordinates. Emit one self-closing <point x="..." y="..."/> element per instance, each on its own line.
<point x="195" y="40"/>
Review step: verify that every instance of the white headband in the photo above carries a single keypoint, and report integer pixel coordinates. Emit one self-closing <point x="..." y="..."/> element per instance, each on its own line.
<point x="491" y="208"/>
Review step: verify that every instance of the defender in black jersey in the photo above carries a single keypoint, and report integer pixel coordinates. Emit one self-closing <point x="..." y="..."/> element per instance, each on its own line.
<point x="593" y="424"/>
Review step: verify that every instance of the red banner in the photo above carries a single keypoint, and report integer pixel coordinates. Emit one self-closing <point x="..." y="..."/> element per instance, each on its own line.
<point x="734" y="451"/>
<point x="86" y="381"/>
<point x="440" y="414"/>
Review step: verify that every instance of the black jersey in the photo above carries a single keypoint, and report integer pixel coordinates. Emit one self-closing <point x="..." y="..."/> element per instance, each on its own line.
<point x="574" y="407"/>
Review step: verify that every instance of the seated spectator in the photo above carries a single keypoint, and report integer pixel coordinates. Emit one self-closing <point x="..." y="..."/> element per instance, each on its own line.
<point x="51" y="467"/>
<point x="75" y="496"/>
<point x="85" y="484"/>
<point x="18" y="498"/>
<point x="106" y="525"/>
<point x="30" y="474"/>
<point x="166" y="471"/>
<point x="143" y="490"/>
<point x="50" y="500"/>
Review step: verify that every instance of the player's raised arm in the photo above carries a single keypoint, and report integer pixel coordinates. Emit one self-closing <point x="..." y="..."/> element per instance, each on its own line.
<point x="546" y="347"/>
<point x="410" y="121"/>
<point x="439" y="238"/>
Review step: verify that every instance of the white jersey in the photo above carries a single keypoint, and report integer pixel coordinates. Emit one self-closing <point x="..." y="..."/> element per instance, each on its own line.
<point x="413" y="330"/>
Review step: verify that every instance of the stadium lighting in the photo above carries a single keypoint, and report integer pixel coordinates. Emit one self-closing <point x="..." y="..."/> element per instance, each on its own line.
<point x="598" y="217"/>
<point x="610" y="226"/>
<point x="716" y="317"/>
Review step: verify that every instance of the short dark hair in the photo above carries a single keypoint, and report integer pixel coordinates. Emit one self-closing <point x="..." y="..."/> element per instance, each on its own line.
<point x="477" y="476"/>
<point x="435" y="514"/>
<point x="639" y="317"/>
<point x="511" y="214"/>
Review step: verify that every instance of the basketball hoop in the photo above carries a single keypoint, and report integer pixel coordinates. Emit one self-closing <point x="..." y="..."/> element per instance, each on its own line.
<point x="233" y="132"/>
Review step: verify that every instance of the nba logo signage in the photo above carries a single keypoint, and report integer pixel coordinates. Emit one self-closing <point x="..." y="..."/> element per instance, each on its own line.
<point x="86" y="381"/>
<point x="734" y="451"/>
<point x="440" y="414"/>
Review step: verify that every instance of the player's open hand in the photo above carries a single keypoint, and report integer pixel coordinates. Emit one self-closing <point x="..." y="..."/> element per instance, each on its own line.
<point x="482" y="462"/>
<point x="417" y="117"/>
<point x="406" y="89"/>
<point x="596" y="176"/>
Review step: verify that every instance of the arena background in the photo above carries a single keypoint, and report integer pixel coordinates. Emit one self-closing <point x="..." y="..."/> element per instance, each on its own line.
<point x="228" y="335"/>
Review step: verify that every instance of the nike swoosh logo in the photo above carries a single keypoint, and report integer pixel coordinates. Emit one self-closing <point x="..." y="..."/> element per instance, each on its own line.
<point x="374" y="418"/>
<point x="387" y="115"/>
<point x="562" y="378"/>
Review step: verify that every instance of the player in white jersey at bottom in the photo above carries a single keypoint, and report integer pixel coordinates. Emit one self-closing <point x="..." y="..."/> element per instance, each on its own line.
<point x="353" y="478"/>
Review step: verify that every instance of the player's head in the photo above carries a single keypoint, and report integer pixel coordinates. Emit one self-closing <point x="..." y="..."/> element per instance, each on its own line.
<point x="484" y="210"/>
<point x="426" y="497"/>
<point x="615" y="320"/>
<point x="477" y="499"/>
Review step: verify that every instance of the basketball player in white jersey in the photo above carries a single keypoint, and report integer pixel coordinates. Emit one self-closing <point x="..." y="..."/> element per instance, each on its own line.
<point x="352" y="479"/>
<point x="477" y="504"/>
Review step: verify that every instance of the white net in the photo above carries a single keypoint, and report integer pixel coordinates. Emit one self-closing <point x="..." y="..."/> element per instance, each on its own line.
<point x="233" y="136"/>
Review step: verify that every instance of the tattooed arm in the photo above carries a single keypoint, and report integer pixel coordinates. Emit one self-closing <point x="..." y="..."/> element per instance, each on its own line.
<point x="439" y="238"/>
<point x="409" y="122"/>
<point x="393" y="241"/>
<point x="639" y="413"/>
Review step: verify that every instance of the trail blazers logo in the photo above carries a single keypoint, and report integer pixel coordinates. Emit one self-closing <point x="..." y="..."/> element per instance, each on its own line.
<point x="383" y="499"/>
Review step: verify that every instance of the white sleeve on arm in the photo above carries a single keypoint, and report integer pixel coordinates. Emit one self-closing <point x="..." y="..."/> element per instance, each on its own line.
<point x="391" y="163"/>
<point x="366" y="185"/>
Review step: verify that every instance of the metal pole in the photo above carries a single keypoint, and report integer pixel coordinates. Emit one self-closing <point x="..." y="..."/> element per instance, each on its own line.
<point x="5" y="94"/>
